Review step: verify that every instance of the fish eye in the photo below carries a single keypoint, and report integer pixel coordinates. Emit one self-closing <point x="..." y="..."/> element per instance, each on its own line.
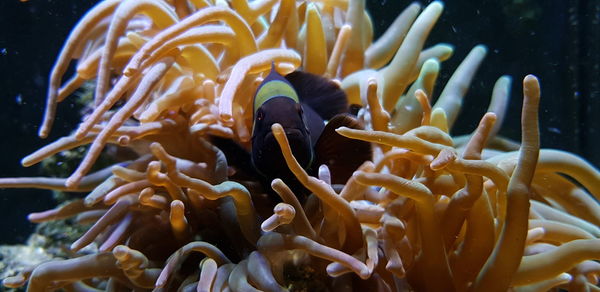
<point x="299" y="109"/>
<point x="260" y="115"/>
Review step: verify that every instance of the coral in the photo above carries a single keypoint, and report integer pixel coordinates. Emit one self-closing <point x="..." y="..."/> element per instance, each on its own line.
<point x="50" y="241"/>
<point x="16" y="258"/>
<point x="430" y="212"/>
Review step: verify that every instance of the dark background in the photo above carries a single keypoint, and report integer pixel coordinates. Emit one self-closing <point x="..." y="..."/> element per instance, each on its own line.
<point x="557" y="40"/>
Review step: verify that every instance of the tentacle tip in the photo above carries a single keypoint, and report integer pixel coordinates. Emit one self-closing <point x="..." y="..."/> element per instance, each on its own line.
<point x="32" y="218"/>
<point x="397" y="270"/>
<point x="177" y="204"/>
<point x="104" y="248"/>
<point x="481" y="47"/>
<point x="372" y="82"/>
<point x="159" y="284"/>
<point x="437" y="5"/>
<point x="120" y="251"/>
<point x="530" y="78"/>
<point x="415" y="5"/>
<point x="447" y="46"/>
<point x="26" y="162"/>
<point x="6" y="282"/>
<point x="342" y="130"/>
<point x="124" y="140"/>
<point x="88" y="202"/>
<point x="508" y="78"/>
<point x="436" y="166"/>
<point x="276" y="182"/>
<point x="226" y="119"/>
<point x="565" y="277"/>
<point x="155" y="147"/>
<point x="490" y="116"/>
<point x="276" y="127"/>
<point x="43" y="133"/>
<point x="432" y="64"/>
<point x="75" y="246"/>
<point x="14" y="282"/>
<point x="358" y="174"/>
<point x="531" y="87"/>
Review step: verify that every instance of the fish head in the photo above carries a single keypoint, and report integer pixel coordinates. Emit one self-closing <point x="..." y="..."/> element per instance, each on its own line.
<point x="276" y="101"/>
<point x="266" y="153"/>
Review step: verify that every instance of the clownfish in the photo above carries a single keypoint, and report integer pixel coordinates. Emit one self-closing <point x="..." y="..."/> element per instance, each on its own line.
<point x="309" y="108"/>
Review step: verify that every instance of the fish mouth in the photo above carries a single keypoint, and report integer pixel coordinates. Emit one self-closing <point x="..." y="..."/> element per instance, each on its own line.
<point x="293" y="132"/>
<point x="289" y="132"/>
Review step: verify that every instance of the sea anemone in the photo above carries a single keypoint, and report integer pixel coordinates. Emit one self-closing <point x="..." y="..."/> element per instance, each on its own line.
<point x="429" y="213"/>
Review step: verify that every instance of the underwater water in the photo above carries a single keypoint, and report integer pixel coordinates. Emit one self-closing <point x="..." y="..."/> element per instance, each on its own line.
<point x="557" y="41"/>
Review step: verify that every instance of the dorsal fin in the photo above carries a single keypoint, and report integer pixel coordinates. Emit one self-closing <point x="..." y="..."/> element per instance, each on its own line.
<point x="321" y="94"/>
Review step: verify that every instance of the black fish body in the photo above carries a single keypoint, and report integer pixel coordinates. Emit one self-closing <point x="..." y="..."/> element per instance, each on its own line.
<point x="276" y="101"/>
<point x="302" y="102"/>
